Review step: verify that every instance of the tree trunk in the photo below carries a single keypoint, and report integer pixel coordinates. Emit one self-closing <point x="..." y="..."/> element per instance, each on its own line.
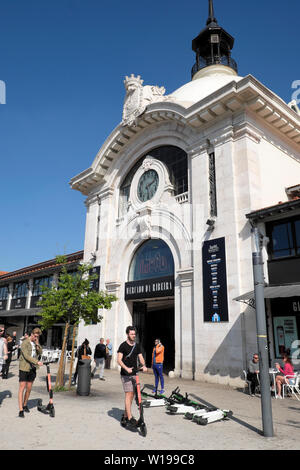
<point x="72" y="355"/>
<point x="61" y="369"/>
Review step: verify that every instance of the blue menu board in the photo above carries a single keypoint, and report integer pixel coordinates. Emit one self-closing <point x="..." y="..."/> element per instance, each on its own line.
<point x="215" y="301"/>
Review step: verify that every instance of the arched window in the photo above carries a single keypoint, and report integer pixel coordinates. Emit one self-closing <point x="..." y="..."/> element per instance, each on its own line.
<point x="176" y="161"/>
<point x="152" y="260"/>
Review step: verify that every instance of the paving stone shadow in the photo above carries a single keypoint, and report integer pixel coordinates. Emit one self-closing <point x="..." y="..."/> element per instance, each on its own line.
<point x="5" y="394"/>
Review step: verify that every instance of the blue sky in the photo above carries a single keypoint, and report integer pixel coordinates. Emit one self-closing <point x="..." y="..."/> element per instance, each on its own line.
<point x="63" y="63"/>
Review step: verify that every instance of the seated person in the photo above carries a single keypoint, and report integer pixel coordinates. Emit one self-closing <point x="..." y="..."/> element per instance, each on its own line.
<point x="288" y="369"/>
<point x="253" y="370"/>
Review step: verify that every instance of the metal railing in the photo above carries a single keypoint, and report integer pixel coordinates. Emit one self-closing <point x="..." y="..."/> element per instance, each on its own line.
<point x="207" y="61"/>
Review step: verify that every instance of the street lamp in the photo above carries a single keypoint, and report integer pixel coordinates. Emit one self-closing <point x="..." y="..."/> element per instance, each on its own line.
<point x="259" y="240"/>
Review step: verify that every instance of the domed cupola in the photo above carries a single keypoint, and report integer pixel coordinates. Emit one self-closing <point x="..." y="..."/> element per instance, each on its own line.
<point x="212" y="46"/>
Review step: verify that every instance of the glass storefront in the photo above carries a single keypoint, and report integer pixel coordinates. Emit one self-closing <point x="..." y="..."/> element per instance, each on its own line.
<point x="286" y="327"/>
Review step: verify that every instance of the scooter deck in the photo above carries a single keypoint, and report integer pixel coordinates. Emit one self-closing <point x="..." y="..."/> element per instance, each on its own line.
<point x="202" y="411"/>
<point x="212" y="417"/>
<point x="181" y="409"/>
<point x="154" y="403"/>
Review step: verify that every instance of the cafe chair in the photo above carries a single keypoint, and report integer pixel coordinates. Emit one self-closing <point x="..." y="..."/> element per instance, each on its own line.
<point x="293" y="386"/>
<point x="247" y="383"/>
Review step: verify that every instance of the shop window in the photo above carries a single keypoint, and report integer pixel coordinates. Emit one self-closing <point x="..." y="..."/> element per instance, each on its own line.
<point x="284" y="238"/>
<point x="152" y="260"/>
<point x="3" y="292"/>
<point x="39" y="283"/>
<point x="286" y="327"/>
<point x="20" y="290"/>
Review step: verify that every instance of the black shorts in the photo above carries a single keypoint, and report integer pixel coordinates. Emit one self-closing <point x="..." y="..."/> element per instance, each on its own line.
<point x="27" y="376"/>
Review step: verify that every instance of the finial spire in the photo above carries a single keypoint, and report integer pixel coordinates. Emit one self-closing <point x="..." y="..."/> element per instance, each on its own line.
<point x="211" y="13"/>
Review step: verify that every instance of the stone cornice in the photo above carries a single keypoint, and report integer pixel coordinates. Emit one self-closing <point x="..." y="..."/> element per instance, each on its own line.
<point x="186" y="274"/>
<point x="247" y="94"/>
<point x="113" y="286"/>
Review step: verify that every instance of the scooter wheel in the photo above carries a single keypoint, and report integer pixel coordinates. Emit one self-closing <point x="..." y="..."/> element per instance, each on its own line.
<point x="39" y="402"/>
<point x="143" y="429"/>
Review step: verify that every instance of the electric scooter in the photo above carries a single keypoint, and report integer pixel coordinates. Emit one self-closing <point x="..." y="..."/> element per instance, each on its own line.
<point x="212" y="416"/>
<point x="200" y="412"/>
<point x="47" y="409"/>
<point x="138" y="398"/>
<point x="179" y="404"/>
<point x="163" y="400"/>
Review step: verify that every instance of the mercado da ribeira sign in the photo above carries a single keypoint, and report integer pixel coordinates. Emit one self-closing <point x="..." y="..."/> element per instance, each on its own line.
<point x="149" y="288"/>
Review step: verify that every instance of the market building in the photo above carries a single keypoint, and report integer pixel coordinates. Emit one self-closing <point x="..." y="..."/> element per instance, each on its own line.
<point x="21" y="290"/>
<point x="167" y="199"/>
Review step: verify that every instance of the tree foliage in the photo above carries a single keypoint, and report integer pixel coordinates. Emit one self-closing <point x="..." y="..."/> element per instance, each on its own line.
<point x="73" y="299"/>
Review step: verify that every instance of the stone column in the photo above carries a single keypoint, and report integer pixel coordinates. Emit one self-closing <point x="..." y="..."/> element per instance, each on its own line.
<point x="185" y="325"/>
<point x="29" y="293"/>
<point x="111" y="319"/>
<point x="10" y="293"/>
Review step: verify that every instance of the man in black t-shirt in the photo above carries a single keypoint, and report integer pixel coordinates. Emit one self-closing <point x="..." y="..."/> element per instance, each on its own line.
<point x="128" y="355"/>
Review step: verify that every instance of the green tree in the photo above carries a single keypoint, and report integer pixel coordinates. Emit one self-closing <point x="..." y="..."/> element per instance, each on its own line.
<point x="69" y="302"/>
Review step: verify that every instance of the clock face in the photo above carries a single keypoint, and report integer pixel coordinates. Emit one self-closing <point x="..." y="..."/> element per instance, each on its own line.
<point x="147" y="186"/>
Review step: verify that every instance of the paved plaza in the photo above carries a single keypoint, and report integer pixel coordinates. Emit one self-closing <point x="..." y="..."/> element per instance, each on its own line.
<point x="93" y="422"/>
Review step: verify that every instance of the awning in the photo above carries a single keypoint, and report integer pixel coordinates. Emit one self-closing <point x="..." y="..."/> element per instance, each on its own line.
<point x="22" y="312"/>
<point x="271" y="292"/>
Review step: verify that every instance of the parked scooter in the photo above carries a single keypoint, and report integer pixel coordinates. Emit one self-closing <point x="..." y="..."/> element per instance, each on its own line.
<point x="212" y="416"/>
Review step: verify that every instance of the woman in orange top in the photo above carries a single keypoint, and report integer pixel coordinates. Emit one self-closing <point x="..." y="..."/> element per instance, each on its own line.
<point x="157" y="364"/>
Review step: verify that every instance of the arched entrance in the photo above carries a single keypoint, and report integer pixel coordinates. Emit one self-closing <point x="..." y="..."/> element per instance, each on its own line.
<point x="150" y="287"/>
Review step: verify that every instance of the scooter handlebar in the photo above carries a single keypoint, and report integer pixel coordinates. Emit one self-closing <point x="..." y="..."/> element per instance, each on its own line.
<point x="136" y="370"/>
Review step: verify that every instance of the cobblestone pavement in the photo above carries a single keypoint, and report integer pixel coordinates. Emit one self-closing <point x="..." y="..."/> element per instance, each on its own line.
<point x="93" y="422"/>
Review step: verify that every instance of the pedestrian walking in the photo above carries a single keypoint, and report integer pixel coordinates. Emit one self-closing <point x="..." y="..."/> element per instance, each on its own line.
<point x="10" y="349"/>
<point x="99" y="358"/>
<point x="109" y="352"/>
<point x="157" y="364"/>
<point x="3" y="348"/>
<point x="129" y="353"/>
<point x="31" y="351"/>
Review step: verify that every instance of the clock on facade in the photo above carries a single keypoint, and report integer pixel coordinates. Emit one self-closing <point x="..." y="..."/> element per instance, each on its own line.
<point x="147" y="185"/>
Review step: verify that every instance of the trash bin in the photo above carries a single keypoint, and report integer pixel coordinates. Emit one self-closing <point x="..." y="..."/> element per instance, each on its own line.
<point x="84" y="377"/>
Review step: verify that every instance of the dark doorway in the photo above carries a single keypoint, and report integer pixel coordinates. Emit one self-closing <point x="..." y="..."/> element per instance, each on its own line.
<point x="151" y="323"/>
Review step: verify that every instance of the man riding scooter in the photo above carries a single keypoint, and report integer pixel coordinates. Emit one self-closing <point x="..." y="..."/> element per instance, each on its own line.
<point x="129" y="353"/>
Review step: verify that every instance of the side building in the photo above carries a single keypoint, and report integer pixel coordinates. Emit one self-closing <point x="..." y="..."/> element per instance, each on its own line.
<point x="280" y="223"/>
<point x="21" y="290"/>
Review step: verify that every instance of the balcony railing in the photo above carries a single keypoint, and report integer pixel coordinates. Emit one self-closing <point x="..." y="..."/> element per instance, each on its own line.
<point x="206" y="61"/>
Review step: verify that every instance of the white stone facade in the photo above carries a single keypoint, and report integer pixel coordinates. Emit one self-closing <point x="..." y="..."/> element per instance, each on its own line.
<point x="255" y="137"/>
